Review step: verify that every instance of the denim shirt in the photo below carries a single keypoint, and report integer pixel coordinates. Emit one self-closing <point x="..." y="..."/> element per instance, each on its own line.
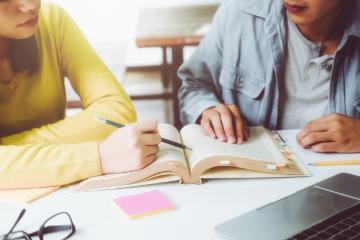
<point x="242" y="61"/>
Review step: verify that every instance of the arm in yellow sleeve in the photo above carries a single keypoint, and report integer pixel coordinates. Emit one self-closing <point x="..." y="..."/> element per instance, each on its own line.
<point x="43" y="165"/>
<point x="100" y="92"/>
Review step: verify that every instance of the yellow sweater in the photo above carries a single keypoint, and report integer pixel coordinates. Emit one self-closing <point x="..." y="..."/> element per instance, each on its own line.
<point x="39" y="146"/>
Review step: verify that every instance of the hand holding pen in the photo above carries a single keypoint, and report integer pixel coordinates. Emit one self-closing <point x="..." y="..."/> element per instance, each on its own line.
<point x="118" y="125"/>
<point x="132" y="148"/>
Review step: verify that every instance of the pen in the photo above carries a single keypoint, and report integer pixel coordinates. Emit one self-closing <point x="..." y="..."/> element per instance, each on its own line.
<point x="278" y="134"/>
<point x="336" y="163"/>
<point x="118" y="125"/>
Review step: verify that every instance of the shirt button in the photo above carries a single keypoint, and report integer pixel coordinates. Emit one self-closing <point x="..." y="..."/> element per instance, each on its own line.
<point x="306" y="77"/>
<point x="240" y="83"/>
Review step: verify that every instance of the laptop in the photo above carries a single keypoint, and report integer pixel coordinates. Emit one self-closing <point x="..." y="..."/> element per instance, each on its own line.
<point x="327" y="210"/>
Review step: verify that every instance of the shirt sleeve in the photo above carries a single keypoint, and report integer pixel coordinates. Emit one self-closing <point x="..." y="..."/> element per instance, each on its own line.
<point x="100" y="92"/>
<point x="44" y="165"/>
<point x="201" y="72"/>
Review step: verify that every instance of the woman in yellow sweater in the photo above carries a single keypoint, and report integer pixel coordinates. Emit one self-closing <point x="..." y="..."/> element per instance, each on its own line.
<point x="39" y="47"/>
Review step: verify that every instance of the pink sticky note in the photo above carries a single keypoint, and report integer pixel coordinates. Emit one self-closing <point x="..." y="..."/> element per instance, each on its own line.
<point x="144" y="204"/>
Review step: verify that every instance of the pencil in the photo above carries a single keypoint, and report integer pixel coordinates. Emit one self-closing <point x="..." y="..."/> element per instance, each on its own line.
<point x="336" y="163"/>
<point x="118" y="125"/>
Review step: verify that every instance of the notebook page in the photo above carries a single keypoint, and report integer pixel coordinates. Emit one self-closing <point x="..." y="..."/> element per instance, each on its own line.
<point x="22" y="196"/>
<point x="258" y="147"/>
<point x="308" y="156"/>
<point x="168" y="152"/>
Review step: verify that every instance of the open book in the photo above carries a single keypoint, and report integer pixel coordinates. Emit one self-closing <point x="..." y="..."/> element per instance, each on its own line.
<point x="262" y="155"/>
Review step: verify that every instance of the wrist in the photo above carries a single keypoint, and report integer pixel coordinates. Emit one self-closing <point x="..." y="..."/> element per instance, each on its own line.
<point x="102" y="157"/>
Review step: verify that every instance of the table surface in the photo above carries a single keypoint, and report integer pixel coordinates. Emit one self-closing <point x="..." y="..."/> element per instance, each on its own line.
<point x="174" y="26"/>
<point x="199" y="207"/>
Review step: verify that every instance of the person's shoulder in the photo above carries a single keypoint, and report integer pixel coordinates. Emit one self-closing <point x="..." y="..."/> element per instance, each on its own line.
<point x="50" y="7"/>
<point x="51" y="12"/>
<point x="53" y="20"/>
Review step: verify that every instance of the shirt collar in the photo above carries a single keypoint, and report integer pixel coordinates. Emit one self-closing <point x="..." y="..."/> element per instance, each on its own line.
<point x="258" y="8"/>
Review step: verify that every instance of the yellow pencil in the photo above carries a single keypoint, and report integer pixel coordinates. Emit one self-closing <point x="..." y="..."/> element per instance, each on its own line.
<point x="336" y="163"/>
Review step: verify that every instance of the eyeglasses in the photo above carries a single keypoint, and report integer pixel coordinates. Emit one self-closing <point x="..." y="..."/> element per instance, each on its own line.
<point x="60" y="223"/>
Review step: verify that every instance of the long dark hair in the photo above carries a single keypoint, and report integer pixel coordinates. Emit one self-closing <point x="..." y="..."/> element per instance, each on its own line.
<point x="24" y="55"/>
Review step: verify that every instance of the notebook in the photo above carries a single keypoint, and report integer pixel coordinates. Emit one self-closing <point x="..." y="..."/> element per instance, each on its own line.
<point x="310" y="156"/>
<point x="263" y="155"/>
<point x="24" y="196"/>
<point x="144" y="204"/>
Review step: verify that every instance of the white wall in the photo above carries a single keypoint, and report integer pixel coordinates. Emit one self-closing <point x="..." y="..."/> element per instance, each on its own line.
<point x="114" y="20"/>
<point x="110" y="26"/>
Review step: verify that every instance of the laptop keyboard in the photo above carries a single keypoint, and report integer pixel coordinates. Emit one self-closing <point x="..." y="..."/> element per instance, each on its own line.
<point x="343" y="226"/>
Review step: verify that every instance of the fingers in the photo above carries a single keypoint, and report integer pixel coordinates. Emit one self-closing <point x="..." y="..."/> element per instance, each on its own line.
<point x="329" y="118"/>
<point x="325" y="147"/>
<point x="150" y="159"/>
<point x="151" y="150"/>
<point x="234" y="110"/>
<point x="147" y="156"/>
<point x="227" y="123"/>
<point x="218" y="126"/>
<point x="208" y="128"/>
<point x="332" y="133"/>
<point x="314" y="138"/>
<point x="146" y="161"/>
<point x="241" y="129"/>
<point x="211" y="123"/>
<point x="147" y="126"/>
<point x="136" y="143"/>
<point x="310" y="128"/>
<point x="325" y="124"/>
<point x="151" y="139"/>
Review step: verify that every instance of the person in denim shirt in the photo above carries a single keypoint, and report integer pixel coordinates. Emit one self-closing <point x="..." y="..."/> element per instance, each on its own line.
<point x="248" y="71"/>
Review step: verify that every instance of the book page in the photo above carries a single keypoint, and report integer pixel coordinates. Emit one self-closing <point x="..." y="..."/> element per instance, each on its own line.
<point x="259" y="146"/>
<point x="168" y="152"/>
<point x="231" y="172"/>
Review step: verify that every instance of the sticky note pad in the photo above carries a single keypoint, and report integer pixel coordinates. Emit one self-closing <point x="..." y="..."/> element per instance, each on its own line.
<point x="148" y="203"/>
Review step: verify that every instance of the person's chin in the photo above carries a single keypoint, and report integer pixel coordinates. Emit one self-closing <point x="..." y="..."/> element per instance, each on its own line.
<point x="24" y="34"/>
<point x="300" y="20"/>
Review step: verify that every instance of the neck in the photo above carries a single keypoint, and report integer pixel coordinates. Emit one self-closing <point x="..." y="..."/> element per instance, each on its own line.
<point x="330" y="28"/>
<point x="4" y="46"/>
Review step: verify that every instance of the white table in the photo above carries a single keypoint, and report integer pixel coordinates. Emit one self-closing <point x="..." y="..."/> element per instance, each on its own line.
<point x="199" y="207"/>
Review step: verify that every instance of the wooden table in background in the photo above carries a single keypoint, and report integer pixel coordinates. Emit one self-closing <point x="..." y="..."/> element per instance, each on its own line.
<point x="173" y="28"/>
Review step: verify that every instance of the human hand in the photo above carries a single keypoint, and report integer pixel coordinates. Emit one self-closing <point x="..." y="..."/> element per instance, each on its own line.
<point x="332" y="133"/>
<point x="130" y="148"/>
<point x="225" y="123"/>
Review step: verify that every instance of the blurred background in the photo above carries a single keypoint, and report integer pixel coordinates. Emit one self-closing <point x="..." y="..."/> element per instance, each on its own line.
<point x="142" y="42"/>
